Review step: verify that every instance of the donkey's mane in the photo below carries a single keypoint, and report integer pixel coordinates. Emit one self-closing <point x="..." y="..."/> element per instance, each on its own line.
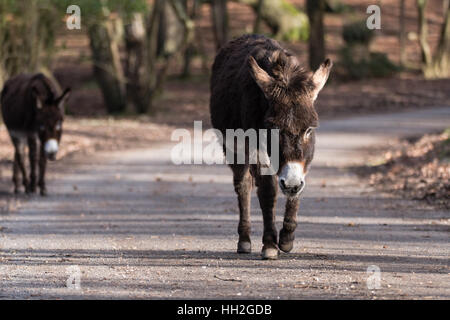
<point x="291" y="78"/>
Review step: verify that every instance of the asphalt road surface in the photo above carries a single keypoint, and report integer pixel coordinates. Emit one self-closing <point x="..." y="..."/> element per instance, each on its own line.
<point x="133" y="225"/>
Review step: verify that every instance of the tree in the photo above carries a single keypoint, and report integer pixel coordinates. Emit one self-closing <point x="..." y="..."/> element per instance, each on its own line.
<point x="402" y="36"/>
<point x="152" y="36"/>
<point x="108" y="71"/>
<point x="103" y="21"/>
<point x="191" y="48"/>
<point x="27" y="36"/>
<point x="257" y="25"/>
<point x="286" y="22"/>
<point x="437" y="65"/>
<point x="315" y="10"/>
<point x="219" y="14"/>
<point x="168" y="30"/>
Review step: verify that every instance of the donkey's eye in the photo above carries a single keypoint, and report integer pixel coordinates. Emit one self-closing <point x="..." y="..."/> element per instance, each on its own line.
<point x="42" y="128"/>
<point x="308" y="133"/>
<point x="58" y="127"/>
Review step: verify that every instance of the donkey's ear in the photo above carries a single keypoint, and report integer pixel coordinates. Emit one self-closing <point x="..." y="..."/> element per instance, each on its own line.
<point x="38" y="98"/>
<point x="64" y="97"/>
<point x="320" y="77"/>
<point x="260" y="76"/>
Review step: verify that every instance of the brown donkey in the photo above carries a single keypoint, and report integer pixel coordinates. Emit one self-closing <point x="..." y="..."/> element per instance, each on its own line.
<point x="256" y="84"/>
<point x="33" y="111"/>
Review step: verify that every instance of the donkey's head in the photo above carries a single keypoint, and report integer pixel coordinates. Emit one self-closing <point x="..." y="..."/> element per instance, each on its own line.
<point x="291" y="92"/>
<point x="49" y="119"/>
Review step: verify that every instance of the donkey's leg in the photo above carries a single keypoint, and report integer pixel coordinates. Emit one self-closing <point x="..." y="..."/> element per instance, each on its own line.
<point x="16" y="173"/>
<point x="19" y="161"/>
<point x="242" y="181"/>
<point x="289" y="224"/>
<point x="32" y="150"/>
<point x="267" y="195"/>
<point x="42" y="167"/>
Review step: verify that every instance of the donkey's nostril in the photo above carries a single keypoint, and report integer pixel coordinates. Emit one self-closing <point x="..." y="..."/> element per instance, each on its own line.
<point x="292" y="189"/>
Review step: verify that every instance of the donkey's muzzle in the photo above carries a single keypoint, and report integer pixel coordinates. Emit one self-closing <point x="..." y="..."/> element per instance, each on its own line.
<point x="291" y="190"/>
<point x="51" y="148"/>
<point x="292" y="179"/>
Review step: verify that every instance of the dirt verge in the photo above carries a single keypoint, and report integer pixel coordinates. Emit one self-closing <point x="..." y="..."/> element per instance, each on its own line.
<point x="416" y="168"/>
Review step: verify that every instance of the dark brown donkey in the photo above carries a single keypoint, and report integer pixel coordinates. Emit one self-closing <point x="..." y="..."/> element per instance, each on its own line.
<point x="256" y="84"/>
<point x="33" y="112"/>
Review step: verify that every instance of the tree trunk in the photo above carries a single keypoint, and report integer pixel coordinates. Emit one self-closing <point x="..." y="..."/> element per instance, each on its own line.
<point x="190" y="49"/>
<point x="423" y="32"/>
<point x="285" y="21"/>
<point x="142" y="44"/>
<point x="437" y="65"/>
<point x="441" y="60"/>
<point x="315" y="9"/>
<point x="135" y="67"/>
<point x="33" y="45"/>
<point x="219" y="14"/>
<point x="107" y="66"/>
<point x="171" y="29"/>
<point x="3" y="47"/>
<point x="257" y="25"/>
<point x="402" y="36"/>
<point x="166" y="32"/>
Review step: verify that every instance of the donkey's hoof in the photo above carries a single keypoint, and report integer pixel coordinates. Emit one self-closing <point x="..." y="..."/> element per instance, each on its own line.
<point x="286" y="246"/>
<point x="269" y="254"/>
<point x="244" y="247"/>
<point x="43" y="192"/>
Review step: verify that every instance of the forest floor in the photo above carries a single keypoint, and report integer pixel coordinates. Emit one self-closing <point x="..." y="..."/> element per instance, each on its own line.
<point x="133" y="225"/>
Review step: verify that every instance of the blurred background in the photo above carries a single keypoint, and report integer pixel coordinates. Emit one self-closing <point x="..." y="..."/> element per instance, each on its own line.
<point x="154" y="57"/>
<point x="140" y="68"/>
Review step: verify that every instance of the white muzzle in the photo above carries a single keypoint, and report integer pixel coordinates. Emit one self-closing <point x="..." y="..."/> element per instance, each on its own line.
<point x="51" y="147"/>
<point x="292" y="179"/>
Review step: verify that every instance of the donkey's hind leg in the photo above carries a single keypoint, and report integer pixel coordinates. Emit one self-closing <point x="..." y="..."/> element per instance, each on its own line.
<point x="243" y="181"/>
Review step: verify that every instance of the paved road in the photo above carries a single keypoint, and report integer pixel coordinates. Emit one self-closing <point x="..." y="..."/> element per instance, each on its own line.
<point x="135" y="226"/>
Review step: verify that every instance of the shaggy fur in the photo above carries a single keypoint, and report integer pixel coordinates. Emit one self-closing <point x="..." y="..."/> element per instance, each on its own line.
<point x="257" y="84"/>
<point x="32" y="110"/>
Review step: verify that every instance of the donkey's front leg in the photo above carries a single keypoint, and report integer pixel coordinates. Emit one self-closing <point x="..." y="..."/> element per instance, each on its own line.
<point x="42" y="166"/>
<point x="32" y="150"/>
<point x="289" y="224"/>
<point x="16" y="173"/>
<point x="267" y="195"/>
<point x="19" y="164"/>
<point x="243" y="183"/>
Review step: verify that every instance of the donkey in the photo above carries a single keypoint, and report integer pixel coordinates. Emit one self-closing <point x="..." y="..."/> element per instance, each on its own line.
<point x="256" y="84"/>
<point x="33" y="112"/>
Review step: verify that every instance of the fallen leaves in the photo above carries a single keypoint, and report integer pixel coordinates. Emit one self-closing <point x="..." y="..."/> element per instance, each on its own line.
<point x="417" y="170"/>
